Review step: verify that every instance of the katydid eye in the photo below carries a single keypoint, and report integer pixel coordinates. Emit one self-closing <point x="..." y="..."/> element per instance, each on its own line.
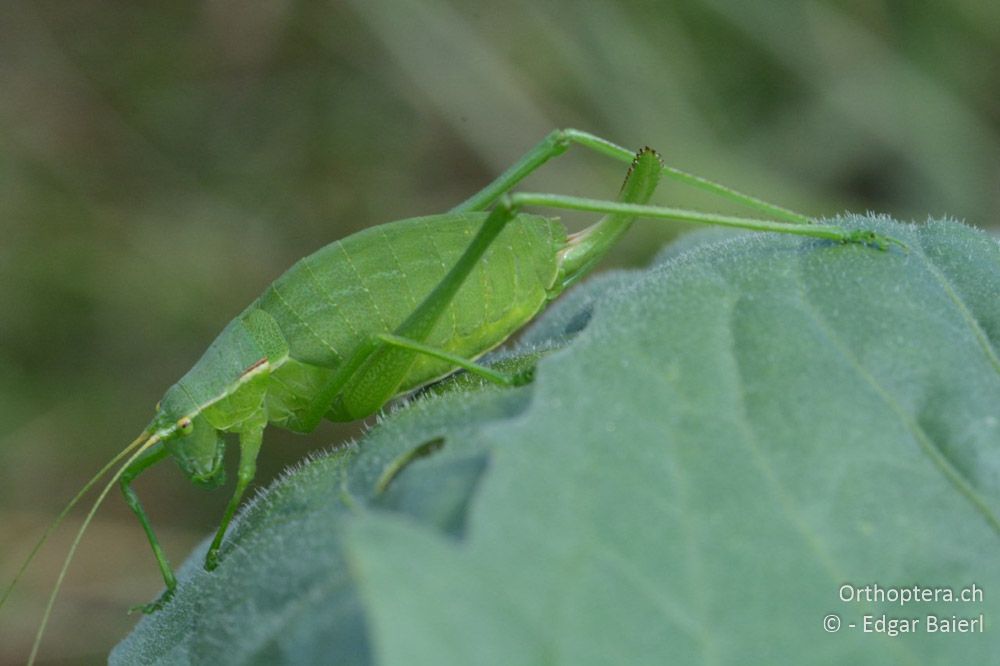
<point x="185" y="425"/>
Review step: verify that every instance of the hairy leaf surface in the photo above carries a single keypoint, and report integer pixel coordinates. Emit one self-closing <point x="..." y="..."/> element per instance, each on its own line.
<point x="716" y="445"/>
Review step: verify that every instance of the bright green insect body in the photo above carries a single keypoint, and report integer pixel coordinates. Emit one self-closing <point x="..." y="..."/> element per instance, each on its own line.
<point x="286" y="359"/>
<point x="336" y="336"/>
<point x="288" y="345"/>
<point x="387" y="310"/>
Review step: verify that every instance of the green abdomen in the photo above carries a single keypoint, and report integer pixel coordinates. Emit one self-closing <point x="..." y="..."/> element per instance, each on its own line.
<point x="368" y="283"/>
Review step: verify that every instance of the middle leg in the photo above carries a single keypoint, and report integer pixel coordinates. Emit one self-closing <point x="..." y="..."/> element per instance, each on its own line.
<point x="250" y="440"/>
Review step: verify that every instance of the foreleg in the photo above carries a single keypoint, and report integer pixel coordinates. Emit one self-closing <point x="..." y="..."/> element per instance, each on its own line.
<point x="150" y="457"/>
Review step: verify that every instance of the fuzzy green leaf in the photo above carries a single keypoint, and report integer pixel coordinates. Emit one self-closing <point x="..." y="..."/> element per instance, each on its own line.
<point x="733" y="435"/>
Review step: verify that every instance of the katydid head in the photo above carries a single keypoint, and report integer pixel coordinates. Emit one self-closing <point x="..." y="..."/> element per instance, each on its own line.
<point x="196" y="446"/>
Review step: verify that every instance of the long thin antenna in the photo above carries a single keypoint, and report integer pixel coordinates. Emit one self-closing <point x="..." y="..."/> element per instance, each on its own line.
<point x="65" y="512"/>
<point x="79" y="535"/>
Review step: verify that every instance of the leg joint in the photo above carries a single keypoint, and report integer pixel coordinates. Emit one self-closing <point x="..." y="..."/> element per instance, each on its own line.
<point x="508" y="203"/>
<point x="560" y="138"/>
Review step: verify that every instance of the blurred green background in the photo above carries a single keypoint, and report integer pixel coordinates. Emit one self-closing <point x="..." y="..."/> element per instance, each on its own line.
<point x="160" y="163"/>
